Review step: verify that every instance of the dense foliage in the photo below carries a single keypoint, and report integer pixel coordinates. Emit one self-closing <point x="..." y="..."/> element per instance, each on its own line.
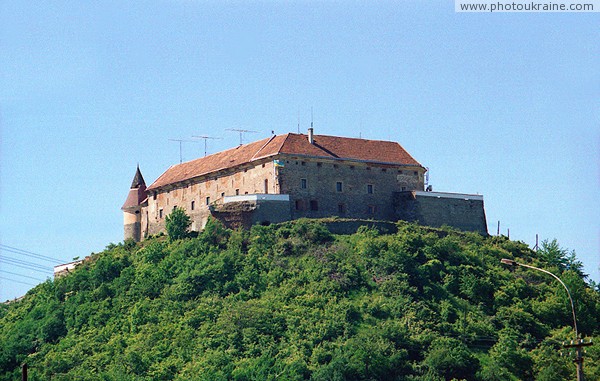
<point x="294" y="302"/>
<point x="177" y="224"/>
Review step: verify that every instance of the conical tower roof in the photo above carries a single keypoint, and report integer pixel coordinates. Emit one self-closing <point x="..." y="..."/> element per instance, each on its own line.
<point x="138" y="179"/>
<point x="137" y="193"/>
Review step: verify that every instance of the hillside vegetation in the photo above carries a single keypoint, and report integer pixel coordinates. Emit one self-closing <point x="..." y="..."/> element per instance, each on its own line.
<point x="294" y="302"/>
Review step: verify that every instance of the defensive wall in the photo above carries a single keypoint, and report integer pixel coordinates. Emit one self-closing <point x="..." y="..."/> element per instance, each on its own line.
<point x="461" y="211"/>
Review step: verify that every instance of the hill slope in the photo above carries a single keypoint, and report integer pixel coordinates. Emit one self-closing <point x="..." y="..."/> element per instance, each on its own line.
<point x="293" y="302"/>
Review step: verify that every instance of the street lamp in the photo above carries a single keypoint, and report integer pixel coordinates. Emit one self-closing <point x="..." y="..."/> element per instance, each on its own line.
<point x="578" y="344"/>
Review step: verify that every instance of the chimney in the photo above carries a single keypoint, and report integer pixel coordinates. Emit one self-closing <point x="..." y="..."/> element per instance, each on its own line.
<point x="311" y="138"/>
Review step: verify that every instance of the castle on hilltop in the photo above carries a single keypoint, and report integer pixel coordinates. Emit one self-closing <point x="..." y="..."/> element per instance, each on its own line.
<point x="291" y="176"/>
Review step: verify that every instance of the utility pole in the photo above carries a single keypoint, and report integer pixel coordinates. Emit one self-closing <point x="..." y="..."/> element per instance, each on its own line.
<point x="24" y="372"/>
<point x="578" y="344"/>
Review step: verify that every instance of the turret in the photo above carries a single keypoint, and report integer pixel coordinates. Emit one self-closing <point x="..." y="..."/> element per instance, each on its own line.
<point x="132" y="209"/>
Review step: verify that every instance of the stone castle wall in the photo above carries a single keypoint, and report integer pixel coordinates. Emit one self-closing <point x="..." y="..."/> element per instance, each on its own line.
<point x="323" y="188"/>
<point x="364" y="191"/>
<point x="198" y="195"/>
<point x="317" y="188"/>
<point x="461" y="211"/>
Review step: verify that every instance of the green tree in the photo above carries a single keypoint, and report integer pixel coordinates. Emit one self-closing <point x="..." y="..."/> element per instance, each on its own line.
<point x="178" y="223"/>
<point x="554" y="255"/>
<point x="450" y="358"/>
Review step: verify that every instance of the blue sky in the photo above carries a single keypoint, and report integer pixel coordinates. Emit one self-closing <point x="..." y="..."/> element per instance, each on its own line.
<point x="505" y="105"/>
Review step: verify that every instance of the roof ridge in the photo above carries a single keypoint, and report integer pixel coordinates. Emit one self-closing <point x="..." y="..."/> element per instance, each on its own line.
<point x="263" y="146"/>
<point x="278" y="151"/>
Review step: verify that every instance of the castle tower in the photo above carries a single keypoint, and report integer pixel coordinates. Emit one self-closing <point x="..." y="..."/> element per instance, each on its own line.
<point x="132" y="209"/>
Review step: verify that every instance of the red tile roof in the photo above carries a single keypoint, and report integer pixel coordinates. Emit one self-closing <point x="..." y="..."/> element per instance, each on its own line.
<point x="333" y="147"/>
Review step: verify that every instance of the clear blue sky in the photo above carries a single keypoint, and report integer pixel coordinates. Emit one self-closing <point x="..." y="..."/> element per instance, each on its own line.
<point x="505" y="105"/>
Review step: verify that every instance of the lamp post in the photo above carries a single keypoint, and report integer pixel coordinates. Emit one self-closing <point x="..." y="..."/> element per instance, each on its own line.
<point x="577" y="344"/>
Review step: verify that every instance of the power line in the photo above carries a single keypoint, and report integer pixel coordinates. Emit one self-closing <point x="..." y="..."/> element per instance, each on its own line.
<point x="16" y="281"/>
<point x="16" y="250"/>
<point x="21" y="275"/>
<point x="26" y="265"/>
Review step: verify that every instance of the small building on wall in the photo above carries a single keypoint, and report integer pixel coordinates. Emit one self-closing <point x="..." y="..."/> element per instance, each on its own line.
<point x="278" y="179"/>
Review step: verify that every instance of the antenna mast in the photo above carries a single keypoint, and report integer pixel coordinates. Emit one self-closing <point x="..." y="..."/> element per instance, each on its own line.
<point x="180" y="143"/>
<point x="180" y="155"/>
<point x="241" y="132"/>
<point x="205" y="139"/>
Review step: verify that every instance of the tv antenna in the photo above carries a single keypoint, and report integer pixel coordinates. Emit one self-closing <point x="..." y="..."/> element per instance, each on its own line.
<point x="241" y="132"/>
<point x="180" y="144"/>
<point x="205" y="139"/>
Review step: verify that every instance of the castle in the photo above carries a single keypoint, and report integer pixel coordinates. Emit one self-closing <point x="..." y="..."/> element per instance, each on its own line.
<point x="291" y="176"/>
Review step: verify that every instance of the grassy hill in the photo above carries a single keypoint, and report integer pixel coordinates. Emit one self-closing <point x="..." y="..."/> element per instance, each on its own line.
<point x="294" y="302"/>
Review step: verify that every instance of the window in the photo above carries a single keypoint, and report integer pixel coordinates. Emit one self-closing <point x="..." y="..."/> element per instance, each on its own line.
<point x="415" y="173"/>
<point x="368" y="168"/>
<point x="237" y="192"/>
<point x="383" y="169"/>
<point x="299" y="205"/>
<point x="263" y="165"/>
<point x="335" y="166"/>
<point x="160" y="213"/>
<point x="351" y="167"/>
<point x="208" y="201"/>
<point x="341" y="208"/>
<point x="400" y="172"/>
<point x="403" y="189"/>
<point x="266" y="186"/>
<point x="370" y="188"/>
<point x="314" y="205"/>
<point x="303" y="163"/>
<point x="319" y="164"/>
<point x="371" y="209"/>
<point x="303" y="183"/>
<point x="222" y="194"/>
<point x="154" y="195"/>
<point x="193" y="205"/>
<point x="339" y="187"/>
